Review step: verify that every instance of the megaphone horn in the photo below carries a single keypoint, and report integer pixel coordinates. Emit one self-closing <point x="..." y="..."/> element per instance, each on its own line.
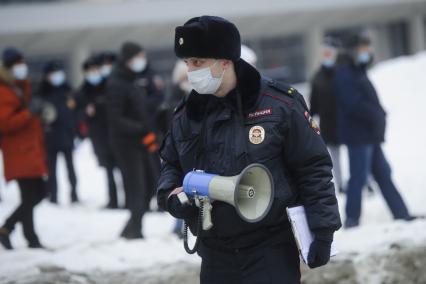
<point x="251" y="192"/>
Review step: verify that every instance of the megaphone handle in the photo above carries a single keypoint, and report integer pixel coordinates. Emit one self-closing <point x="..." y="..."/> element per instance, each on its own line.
<point x="206" y="212"/>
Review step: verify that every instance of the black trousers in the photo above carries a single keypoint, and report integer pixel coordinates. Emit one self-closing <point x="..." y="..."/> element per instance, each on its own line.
<point x="277" y="263"/>
<point x="33" y="190"/>
<point x="112" y="187"/>
<point x="52" y="180"/>
<point x="132" y="164"/>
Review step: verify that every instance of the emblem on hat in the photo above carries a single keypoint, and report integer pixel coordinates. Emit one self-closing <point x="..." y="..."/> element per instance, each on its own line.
<point x="181" y="41"/>
<point x="256" y="134"/>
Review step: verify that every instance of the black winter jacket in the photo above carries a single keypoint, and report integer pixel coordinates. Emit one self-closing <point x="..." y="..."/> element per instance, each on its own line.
<point x="98" y="124"/>
<point x="361" y="118"/>
<point x="127" y="108"/>
<point x="323" y="103"/>
<point x="292" y="150"/>
<point x="60" y="133"/>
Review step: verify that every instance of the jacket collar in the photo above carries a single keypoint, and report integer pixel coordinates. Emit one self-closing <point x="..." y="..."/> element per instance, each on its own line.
<point x="248" y="87"/>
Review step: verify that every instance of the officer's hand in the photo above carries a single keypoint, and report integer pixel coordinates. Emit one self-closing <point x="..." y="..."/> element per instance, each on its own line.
<point x="150" y="142"/>
<point x="176" y="208"/>
<point x="319" y="252"/>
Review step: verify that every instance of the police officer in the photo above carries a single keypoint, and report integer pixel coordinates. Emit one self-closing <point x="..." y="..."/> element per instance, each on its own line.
<point x="91" y="99"/>
<point x="217" y="130"/>
<point x="59" y="134"/>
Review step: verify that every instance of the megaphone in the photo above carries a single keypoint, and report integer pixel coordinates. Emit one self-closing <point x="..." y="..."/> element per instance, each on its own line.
<point x="251" y="192"/>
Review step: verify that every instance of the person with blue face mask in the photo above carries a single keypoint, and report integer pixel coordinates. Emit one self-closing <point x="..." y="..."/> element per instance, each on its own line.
<point x="60" y="133"/>
<point x="361" y="126"/>
<point x="133" y="99"/>
<point x="234" y="116"/>
<point x="323" y="104"/>
<point x="93" y="122"/>
<point x="106" y="61"/>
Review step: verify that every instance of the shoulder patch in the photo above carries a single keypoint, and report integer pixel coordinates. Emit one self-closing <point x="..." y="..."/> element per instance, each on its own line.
<point x="281" y="87"/>
<point x="278" y="98"/>
<point x="289" y="92"/>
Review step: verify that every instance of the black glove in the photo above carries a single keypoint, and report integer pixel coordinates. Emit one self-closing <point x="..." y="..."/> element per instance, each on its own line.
<point x="179" y="210"/>
<point x="35" y="106"/>
<point x="319" y="251"/>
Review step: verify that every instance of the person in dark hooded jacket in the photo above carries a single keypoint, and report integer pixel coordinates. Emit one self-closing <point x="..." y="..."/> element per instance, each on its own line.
<point x="60" y="133"/>
<point x="131" y="135"/>
<point x="234" y="117"/>
<point x="91" y="98"/>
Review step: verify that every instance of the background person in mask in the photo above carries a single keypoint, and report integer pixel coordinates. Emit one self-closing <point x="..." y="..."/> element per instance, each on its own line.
<point x="22" y="145"/>
<point x="215" y="130"/>
<point x="323" y="104"/>
<point x="361" y="126"/>
<point x="61" y="132"/>
<point x="151" y="86"/>
<point x="91" y="98"/>
<point x="131" y="136"/>
<point x="106" y="61"/>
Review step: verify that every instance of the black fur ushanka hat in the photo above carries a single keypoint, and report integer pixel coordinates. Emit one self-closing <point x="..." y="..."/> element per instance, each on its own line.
<point x="208" y="37"/>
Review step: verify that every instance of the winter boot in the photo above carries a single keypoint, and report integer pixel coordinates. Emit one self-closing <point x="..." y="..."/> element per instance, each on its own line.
<point x="4" y="238"/>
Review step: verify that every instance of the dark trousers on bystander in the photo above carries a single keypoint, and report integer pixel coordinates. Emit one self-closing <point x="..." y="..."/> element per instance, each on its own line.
<point x="32" y="190"/>
<point x="363" y="160"/>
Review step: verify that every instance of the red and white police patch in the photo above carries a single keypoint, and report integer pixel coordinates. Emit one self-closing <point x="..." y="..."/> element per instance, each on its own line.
<point x="260" y="113"/>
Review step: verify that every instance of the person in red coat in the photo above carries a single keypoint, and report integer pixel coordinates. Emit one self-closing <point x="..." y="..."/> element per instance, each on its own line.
<point x="22" y="144"/>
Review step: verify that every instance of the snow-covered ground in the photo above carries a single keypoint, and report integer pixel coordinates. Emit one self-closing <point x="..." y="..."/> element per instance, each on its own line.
<point x="84" y="238"/>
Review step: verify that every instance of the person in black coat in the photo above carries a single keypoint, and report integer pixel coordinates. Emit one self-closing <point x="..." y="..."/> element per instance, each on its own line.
<point x="361" y="126"/>
<point x="91" y="99"/>
<point x="61" y="132"/>
<point x="323" y="104"/>
<point x="215" y="130"/>
<point x="131" y="135"/>
<point x="151" y="87"/>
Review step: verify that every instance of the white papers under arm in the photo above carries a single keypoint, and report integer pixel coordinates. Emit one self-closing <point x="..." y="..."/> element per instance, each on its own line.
<point x="302" y="233"/>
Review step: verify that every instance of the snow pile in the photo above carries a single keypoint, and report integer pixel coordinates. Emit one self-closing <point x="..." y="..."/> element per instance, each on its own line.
<point x="83" y="240"/>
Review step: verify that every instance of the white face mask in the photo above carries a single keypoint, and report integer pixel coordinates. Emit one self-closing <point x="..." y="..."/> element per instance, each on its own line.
<point x="57" y="78"/>
<point x="203" y="82"/>
<point x="106" y="70"/>
<point x="20" y="71"/>
<point x="138" y="65"/>
<point x="93" y="78"/>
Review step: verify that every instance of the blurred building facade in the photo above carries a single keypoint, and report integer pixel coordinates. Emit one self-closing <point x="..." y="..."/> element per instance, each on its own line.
<point x="285" y="34"/>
